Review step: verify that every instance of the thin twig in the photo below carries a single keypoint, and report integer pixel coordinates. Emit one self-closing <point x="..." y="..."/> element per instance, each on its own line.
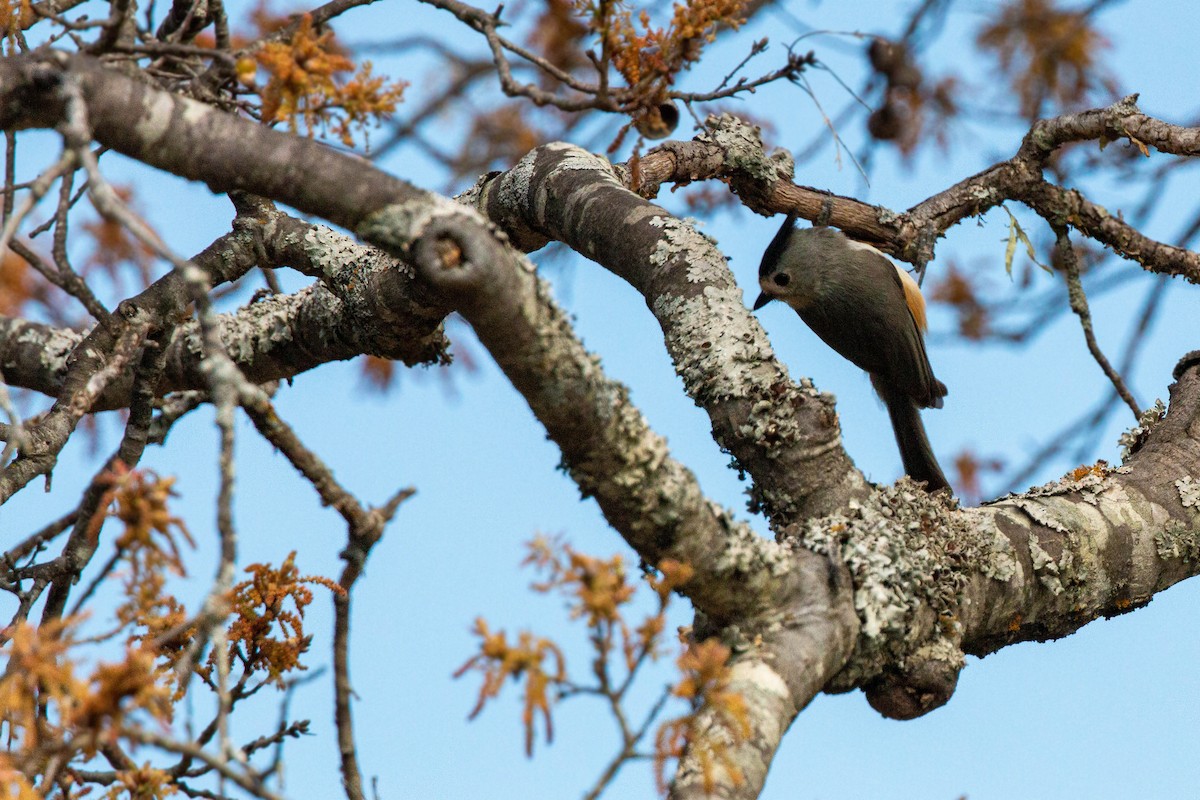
<point x="37" y="191"/>
<point x="246" y="779"/>
<point x="217" y="367"/>
<point x="628" y="751"/>
<point x="35" y="541"/>
<point x="66" y="278"/>
<point x="1079" y="305"/>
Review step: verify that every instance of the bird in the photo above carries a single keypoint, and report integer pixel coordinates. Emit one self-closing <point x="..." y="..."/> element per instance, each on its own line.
<point x="872" y="313"/>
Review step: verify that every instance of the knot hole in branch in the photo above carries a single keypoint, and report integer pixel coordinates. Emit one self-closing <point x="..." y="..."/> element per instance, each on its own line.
<point x="456" y="257"/>
<point x="449" y="254"/>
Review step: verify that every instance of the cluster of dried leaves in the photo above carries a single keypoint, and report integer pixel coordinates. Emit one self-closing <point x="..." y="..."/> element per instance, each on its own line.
<point x="70" y="693"/>
<point x="649" y="57"/>
<point x="600" y="594"/>
<point x="306" y="84"/>
<point x="1048" y="53"/>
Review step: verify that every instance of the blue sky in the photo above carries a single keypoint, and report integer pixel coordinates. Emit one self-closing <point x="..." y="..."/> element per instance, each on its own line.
<point x="1111" y="712"/>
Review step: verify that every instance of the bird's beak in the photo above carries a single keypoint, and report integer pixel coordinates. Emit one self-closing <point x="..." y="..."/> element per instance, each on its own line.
<point x="763" y="299"/>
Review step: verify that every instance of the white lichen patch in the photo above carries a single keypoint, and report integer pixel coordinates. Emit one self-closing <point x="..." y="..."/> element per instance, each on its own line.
<point x="720" y="352"/>
<point x="940" y="649"/>
<point x="644" y="453"/>
<point x="1189" y="491"/>
<point x="1132" y="439"/>
<point x="194" y="113"/>
<point x="910" y="559"/>
<point x="54" y="347"/>
<point x="747" y="553"/>
<point x="741" y="144"/>
<point x="393" y="227"/>
<point x="761" y="676"/>
<point x="1085" y="528"/>
<point x="1039" y="511"/>
<point x="336" y="254"/>
<point x="515" y="187"/>
<point x="258" y="328"/>
<point x="680" y="239"/>
<point x="571" y="158"/>
<point x="982" y="193"/>
<point x="396" y="226"/>
<point x="781" y="502"/>
<point x="575" y="158"/>
<point x="1045" y="567"/>
<point x="1001" y="563"/>
<point x="155" y="120"/>
<point x="1089" y="481"/>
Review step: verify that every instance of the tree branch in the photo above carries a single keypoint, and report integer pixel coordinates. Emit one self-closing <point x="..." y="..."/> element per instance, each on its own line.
<point x="367" y="303"/>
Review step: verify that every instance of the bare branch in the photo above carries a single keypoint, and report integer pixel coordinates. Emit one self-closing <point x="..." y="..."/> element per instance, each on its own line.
<point x="1079" y="305"/>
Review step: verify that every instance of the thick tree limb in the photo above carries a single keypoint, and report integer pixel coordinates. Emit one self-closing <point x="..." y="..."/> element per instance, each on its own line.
<point x="785" y="436"/>
<point x="607" y="446"/>
<point x="195" y="141"/>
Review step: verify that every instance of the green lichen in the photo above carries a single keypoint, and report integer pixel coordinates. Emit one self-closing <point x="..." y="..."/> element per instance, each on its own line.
<point x="1089" y="482"/>
<point x="337" y="255"/>
<point x="741" y="144"/>
<point x="909" y="559"/>
<point x="1177" y="540"/>
<point x="746" y="554"/>
<point x="1045" y="567"/>
<point x="393" y="227"/>
<point x="1001" y="561"/>
<point x="1132" y="439"/>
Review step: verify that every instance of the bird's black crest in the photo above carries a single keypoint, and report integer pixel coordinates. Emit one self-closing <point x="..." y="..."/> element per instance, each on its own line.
<point x="774" y="252"/>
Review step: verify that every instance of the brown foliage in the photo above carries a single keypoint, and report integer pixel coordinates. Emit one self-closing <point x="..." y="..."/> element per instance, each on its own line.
<point x="958" y="291"/>
<point x="599" y="593"/>
<point x="142" y="783"/>
<point x="497" y="138"/>
<point x="970" y="469"/>
<point x="1048" y="53"/>
<point x="15" y="15"/>
<point x="650" y="57"/>
<point x="45" y="703"/>
<point x="558" y="35"/>
<point x="267" y="633"/>
<point x="305" y="84"/>
<point x="912" y="109"/>
<point x="16" y="284"/>
<point x="705" y="684"/>
<point x="535" y="660"/>
<point x="59" y="712"/>
<point x="140" y="501"/>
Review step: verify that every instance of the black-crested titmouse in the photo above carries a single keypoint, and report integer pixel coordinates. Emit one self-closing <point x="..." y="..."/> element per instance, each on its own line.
<point x="871" y="312"/>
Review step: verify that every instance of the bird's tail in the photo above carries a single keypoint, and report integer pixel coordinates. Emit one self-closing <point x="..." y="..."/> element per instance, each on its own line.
<point x="919" y="462"/>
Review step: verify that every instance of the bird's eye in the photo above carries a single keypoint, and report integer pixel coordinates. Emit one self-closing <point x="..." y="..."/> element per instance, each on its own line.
<point x="782" y="279"/>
